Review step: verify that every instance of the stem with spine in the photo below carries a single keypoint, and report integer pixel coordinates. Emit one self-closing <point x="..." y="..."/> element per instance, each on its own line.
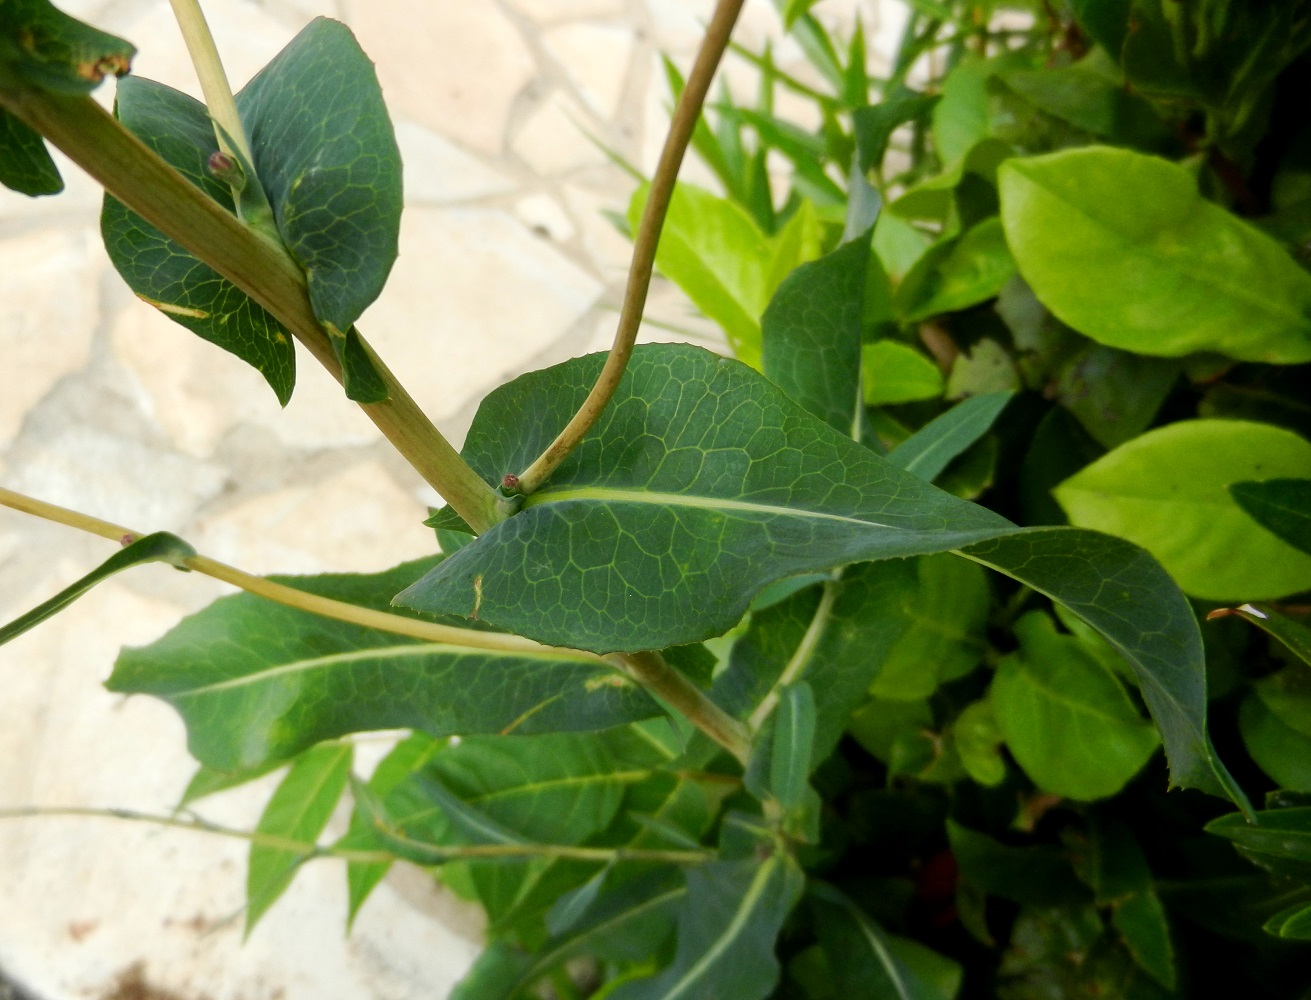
<point x="681" y="127"/>
<point x="263" y="269"/>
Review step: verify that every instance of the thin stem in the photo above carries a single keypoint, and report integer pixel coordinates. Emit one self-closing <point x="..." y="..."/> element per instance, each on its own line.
<point x="301" y="600"/>
<point x="655" y="675"/>
<point x="681" y="126"/>
<point x="437" y="852"/>
<point x="800" y="659"/>
<point x="261" y="268"/>
<point x="213" y="79"/>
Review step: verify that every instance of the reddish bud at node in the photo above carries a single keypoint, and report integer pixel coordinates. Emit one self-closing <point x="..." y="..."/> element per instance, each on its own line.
<point x="221" y="163"/>
<point x="510" y="483"/>
<point x="127" y="539"/>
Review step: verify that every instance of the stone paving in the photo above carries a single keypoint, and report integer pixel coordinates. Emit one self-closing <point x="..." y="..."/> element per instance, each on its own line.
<point x="507" y="264"/>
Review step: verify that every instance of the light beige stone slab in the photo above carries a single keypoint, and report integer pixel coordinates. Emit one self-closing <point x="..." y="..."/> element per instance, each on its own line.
<point x="610" y="251"/>
<point x="545" y="216"/>
<point x="450" y="65"/>
<point x="49" y="296"/>
<point x="438" y="172"/>
<point x="554" y="138"/>
<point x="546" y="11"/>
<point x="474" y="296"/>
<point x="595" y="58"/>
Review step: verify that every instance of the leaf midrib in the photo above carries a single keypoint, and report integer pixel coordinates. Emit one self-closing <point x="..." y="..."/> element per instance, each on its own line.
<point x="613" y="495"/>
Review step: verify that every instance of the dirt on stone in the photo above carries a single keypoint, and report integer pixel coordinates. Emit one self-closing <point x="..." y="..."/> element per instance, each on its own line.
<point x="131" y="984"/>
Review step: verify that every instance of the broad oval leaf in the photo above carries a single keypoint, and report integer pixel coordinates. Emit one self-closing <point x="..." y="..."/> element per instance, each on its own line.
<point x="184" y="288"/>
<point x="957" y="273"/>
<point x="1167" y="491"/>
<point x="256" y="681"/>
<point x="893" y="372"/>
<point x="1122" y="247"/>
<point x="327" y="157"/>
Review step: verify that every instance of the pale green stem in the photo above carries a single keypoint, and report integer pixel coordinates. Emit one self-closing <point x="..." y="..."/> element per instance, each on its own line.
<point x="681" y="126"/>
<point x="800" y="660"/>
<point x="213" y="79"/>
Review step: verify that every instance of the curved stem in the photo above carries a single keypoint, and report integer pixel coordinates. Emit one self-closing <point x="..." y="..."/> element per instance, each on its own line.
<point x="681" y="126"/>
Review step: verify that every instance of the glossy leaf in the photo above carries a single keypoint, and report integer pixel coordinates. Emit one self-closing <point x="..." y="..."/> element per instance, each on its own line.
<point x="298" y="811"/>
<point x="957" y="274"/>
<point x="43" y="47"/>
<point x="327" y="157"/>
<point x="812" y="330"/>
<point x="931" y="449"/>
<point x="159" y="270"/>
<point x="894" y="372"/>
<point x="159" y="547"/>
<point x="258" y="682"/>
<point x="1167" y="490"/>
<point x="727" y="925"/>
<point x="1068" y="722"/>
<point x="1282" y="506"/>
<point x="1123" y="248"/>
<point x="25" y="163"/>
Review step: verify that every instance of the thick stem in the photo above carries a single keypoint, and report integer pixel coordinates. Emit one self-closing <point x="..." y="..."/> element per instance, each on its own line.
<point x="262" y="269"/>
<point x="681" y="127"/>
<point x="652" y="672"/>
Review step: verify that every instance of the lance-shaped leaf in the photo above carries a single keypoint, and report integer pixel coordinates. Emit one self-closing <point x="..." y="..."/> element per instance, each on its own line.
<point x="184" y="288"/>
<point x="931" y="448"/>
<point x="256" y="681"/>
<point x="25" y="163"/>
<point x="327" y="157"/>
<point x="159" y="547"/>
<point x="298" y="811"/>
<point x="43" y="47"/>
<point x="702" y="483"/>
<point x="1292" y="632"/>
<point x="727" y="925"/>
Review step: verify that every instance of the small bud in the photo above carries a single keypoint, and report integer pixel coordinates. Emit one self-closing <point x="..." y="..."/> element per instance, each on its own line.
<point x="226" y="168"/>
<point x="510" y="484"/>
<point x="127" y="539"/>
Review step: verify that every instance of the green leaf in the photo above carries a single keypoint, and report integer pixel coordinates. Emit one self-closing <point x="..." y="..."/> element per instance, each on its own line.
<point x="327" y="158"/>
<point x="701" y="484"/>
<point x="793" y="9"/>
<point x="873" y="126"/>
<point x="1294" y="923"/>
<point x="258" y="682"/>
<point x="1114" y="394"/>
<point x="957" y="273"/>
<point x="159" y="270"/>
<point x="43" y="47"/>
<point x="1290" y="631"/>
<point x="960" y="118"/>
<point x="493" y="974"/>
<point x="792" y="757"/>
<point x="159" y="547"/>
<point x="1278" y="749"/>
<point x="25" y="163"/>
<point x="1040" y="874"/>
<point x="298" y="811"/>
<point x="209" y="781"/>
<point x="727" y="924"/>
<point x="1067" y="721"/>
<point x="1122" y="247"/>
<point x="812" y="330"/>
<point x="1281" y="833"/>
<point x="894" y="372"/>
<point x="1167" y="490"/>
<point x="979" y="742"/>
<point x="931" y="449"/>
<point x="1282" y="506"/>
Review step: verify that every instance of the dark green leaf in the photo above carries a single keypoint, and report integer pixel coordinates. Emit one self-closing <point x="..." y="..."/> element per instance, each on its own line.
<point x="1284" y="833"/>
<point x="1123" y="248"/>
<point x="1290" y="631"/>
<point x="494" y="973"/>
<point x="44" y="47"/>
<point x="258" y="682"/>
<point x="930" y="449"/>
<point x="25" y="163"/>
<point x="812" y="331"/>
<point x="1114" y="394"/>
<point x="159" y="270"/>
<point x="1278" y="749"/>
<point x="1040" y="874"/>
<point x="727" y="924"/>
<point x="298" y="811"/>
<point x="792" y="758"/>
<point x="159" y="547"/>
<point x="1279" y="505"/>
<point x="327" y="158"/>
<point x="873" y="126"/>
<point x="957" y="274"/>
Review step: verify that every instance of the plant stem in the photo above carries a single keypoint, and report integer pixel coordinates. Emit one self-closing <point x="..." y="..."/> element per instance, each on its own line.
<point x="438" y="852"/>
<point x="213" y="80"/>
<point x="301" y="600"/>
<point x="800" y="659"/>
<point x="140" y="179"/>
<point x="681" y="126"/>
<point x="655" y="675"/>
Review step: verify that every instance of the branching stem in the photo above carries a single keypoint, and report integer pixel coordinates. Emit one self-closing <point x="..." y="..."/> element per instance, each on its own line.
<point x="681" y="126"/>
<point x="213" y="79"/>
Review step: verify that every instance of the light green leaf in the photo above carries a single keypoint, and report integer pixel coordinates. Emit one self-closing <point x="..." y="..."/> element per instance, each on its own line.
<point x="43" y="47"/>
<point x="160" y="271"/>
<point x="1068" y="722"/>
<point x="957" y="274"/>
<point x="159" y="547"/>
<point x="1122" y="247"/>
<point x="1282" y="506"/>
<point x="1167" y="490"/>
<point x="1278" y="749"/>
<point x="985" y="369"/>
<point x="298" y="811"/>
<point x="25" y="163"/>
<point x="960" y="118"/>
<point x="327" y="157"/>
<point x="931" y="449"/>
<point x="258" y="682"/>
<point x="897" y="373"/>
<point x="812" y="330"/>
<point x="899" y="244"/>
<point x="209" y="781"/>
<point x="1293" y="923"/>
<point x="727" y="925"/>
<point x="978" y="742"/>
